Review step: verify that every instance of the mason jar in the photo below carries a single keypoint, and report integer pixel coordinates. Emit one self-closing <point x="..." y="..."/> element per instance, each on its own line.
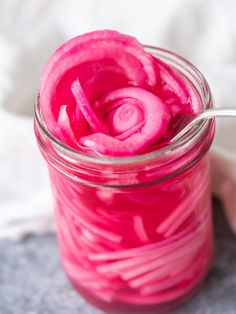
<point x="135" y="233"/>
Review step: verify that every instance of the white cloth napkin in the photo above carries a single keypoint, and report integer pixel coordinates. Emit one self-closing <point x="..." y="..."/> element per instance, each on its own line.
<point x="203" y="31"/>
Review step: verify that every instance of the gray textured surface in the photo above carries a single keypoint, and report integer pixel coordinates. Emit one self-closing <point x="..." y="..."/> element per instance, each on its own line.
<point x="32" y="282"/>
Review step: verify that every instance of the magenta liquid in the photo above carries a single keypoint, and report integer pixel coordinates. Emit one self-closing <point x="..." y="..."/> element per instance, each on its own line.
<point x="134" y="234"/>
<point x="144" y="248"/>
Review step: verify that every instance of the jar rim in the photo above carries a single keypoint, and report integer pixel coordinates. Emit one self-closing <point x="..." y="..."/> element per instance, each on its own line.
<point x="190" y="137"/>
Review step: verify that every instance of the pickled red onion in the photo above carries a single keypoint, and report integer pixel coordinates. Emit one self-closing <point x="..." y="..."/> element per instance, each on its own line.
<point x="103" y="93"/>
<point x="155" y="117"/>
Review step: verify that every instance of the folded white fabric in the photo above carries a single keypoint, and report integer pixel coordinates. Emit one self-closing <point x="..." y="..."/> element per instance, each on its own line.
<point x="202" y="31"/>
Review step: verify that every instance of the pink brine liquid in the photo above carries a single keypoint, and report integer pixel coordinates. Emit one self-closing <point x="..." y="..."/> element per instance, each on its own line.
<point x="138" y="238"/>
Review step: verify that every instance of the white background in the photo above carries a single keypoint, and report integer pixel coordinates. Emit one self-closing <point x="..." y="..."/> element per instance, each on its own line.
<point x="204" y="31"/>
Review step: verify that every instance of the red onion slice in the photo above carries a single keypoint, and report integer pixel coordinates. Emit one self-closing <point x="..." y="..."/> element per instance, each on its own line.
<point x="155" y="115"/>
<point x="129" y="56"/>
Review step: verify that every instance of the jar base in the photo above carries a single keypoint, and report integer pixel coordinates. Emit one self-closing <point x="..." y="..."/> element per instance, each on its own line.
<point x="116" y="307"/>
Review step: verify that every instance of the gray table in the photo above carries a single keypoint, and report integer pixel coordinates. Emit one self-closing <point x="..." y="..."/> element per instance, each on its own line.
<point x="32" y="282"/>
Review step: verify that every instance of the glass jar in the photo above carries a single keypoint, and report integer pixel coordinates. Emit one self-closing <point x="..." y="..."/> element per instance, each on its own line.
<point x="135" y="233"/>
